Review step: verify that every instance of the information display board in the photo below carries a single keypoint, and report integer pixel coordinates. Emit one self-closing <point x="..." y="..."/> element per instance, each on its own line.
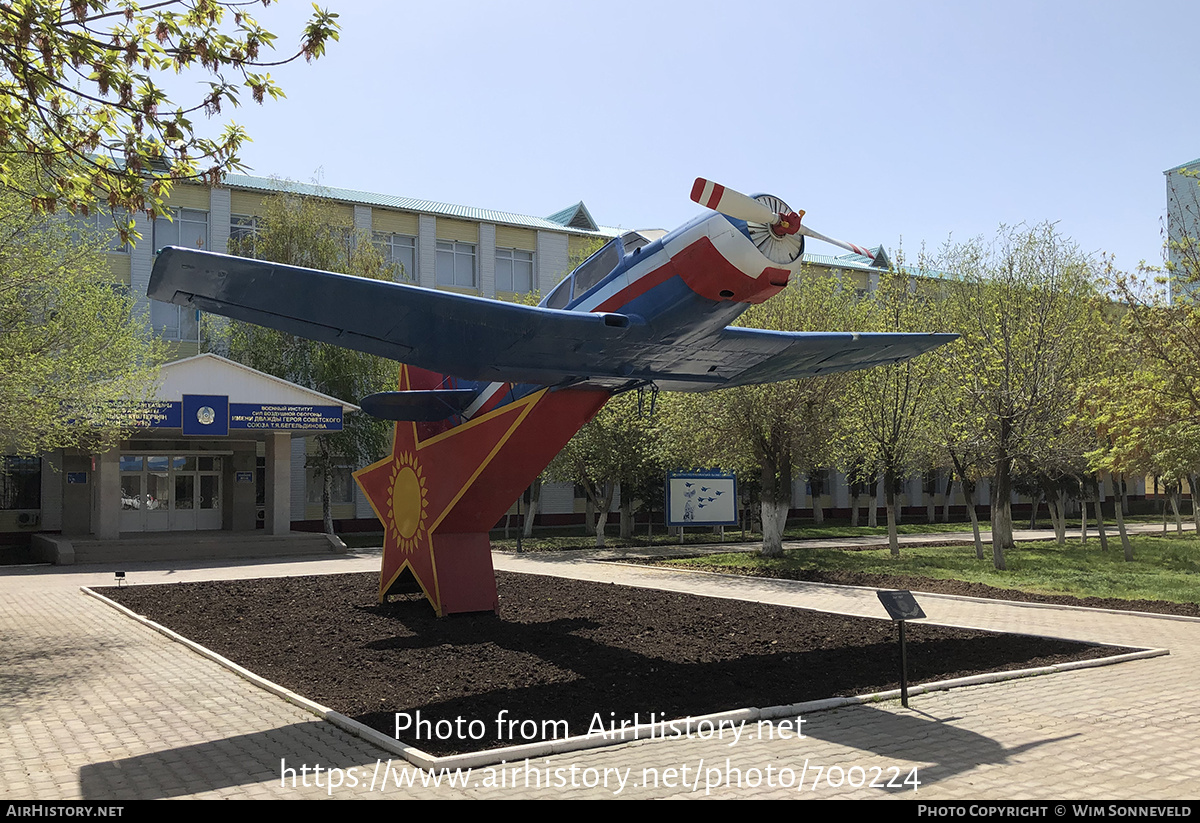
<point x="701" y="499"/>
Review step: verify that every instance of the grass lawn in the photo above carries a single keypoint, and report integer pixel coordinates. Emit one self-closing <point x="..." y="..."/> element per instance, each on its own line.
<point x="1163" y="568"/>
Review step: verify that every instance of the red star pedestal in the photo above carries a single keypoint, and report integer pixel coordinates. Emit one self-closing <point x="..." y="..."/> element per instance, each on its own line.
<point x="443" y="488"/>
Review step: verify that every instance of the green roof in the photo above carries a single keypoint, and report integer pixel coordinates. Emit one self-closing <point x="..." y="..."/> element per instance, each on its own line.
<point x="576" y="216"/>
<point x="574" y="226"/>
<point x="1195" y="164"/>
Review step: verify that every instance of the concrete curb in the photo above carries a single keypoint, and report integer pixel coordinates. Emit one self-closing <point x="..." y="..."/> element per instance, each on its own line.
<point x="664" y="730"/>
<point x="965" y="598"/>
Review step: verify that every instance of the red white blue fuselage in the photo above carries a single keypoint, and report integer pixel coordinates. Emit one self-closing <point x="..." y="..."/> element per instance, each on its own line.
<point x="683" y="285"/>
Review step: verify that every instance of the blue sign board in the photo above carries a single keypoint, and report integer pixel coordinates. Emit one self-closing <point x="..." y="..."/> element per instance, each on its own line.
<point x="77" y="478"/>
<point x="205" y="415"/>
<point x="283" y="417"/>
<point x="191" y="414"/>
<point x="167" y="414"/>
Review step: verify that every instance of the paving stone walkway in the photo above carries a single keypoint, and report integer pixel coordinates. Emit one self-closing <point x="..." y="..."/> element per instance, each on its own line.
<point x="94" y="706"/>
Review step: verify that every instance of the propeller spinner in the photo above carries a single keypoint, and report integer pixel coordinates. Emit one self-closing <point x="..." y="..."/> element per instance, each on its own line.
<point x="774" y="227"/>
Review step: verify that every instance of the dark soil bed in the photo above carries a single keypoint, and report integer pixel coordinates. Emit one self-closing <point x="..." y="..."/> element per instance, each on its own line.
<point x="962" y="587"/>
<point x="560" y="650"/>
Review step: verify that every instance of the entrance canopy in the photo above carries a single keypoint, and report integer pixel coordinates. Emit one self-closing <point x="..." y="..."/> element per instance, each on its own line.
<point x="212" y="396"/>
<point x="211" y="451"/>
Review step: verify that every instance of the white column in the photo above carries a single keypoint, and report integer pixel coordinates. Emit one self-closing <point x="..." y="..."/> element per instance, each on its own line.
<point x="220" y="207"/>
<point x="552" y="260"/>
<point x="487" y="259"/>
<point x="106" y="523"/>
<point x="427" y="251"/>
<point x="279" y="483"/>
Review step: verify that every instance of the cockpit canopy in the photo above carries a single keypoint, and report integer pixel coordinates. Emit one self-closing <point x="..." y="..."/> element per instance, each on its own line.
<point x="598" y="266"/>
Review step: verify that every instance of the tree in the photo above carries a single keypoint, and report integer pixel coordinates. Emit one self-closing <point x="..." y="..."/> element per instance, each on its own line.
<point x="777" y="429"/>
<point x="616" y="447"/>
<point x="306" y="232"/>
<point x="71" y="360"/>
<point x="889" y="411"/>
<point x="1024" y="306"/>
<point x="80" y="108"/>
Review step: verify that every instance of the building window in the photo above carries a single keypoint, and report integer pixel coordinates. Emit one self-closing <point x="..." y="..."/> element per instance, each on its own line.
<point x="188" y="228"/>
<point x="341" y="484"/>
<point x="243" y="229"/>
<point x="401" y="251"/>
<point x="20" y="482"/>
<point x="101" y="222"/>
<point x="514" y="270"/>
<point x="456" y="264"/>
<point x="175" y="322"/>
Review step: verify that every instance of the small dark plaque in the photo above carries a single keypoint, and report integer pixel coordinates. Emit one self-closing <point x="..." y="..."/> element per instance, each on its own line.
<point x="900" y="605"/>
<point x="77" y="478"/>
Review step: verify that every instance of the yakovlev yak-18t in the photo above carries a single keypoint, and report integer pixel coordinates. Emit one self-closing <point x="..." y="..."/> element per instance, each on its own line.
<point x="491" y="391"/>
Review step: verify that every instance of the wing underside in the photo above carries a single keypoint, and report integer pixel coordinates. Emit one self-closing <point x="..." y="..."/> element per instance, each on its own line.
<point x="488" y="340"/>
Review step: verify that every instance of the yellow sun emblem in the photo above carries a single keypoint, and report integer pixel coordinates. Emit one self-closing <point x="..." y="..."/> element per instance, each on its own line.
<point x="407" y="493"/>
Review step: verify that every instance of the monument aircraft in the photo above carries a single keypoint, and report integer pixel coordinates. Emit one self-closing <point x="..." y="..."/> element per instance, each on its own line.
<point x="490" y="391"/>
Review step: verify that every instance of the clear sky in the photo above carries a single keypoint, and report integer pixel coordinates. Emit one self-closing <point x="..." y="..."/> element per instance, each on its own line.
<point x="888" y="122"/>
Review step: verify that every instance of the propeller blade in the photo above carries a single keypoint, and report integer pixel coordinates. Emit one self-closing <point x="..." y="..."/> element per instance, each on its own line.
<point x="732" y="203"/>
<point x="816" y="235"/>
<point x="741" y="207"/>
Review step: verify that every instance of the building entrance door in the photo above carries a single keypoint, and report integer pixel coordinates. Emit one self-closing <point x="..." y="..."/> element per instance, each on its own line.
<point x="170" y="492"/>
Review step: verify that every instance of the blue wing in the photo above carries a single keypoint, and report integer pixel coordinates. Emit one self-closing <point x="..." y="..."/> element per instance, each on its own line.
<point x="475" y="338"/>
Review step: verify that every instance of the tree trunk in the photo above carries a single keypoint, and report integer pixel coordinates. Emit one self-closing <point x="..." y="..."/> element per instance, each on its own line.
<point x="535" y="495"/>
<point x="968" y="487"/>
<point x="893" y="536"/>
<point x="1125" y="544"/>
<point x="818" y="488"/>
<point x="1099" y="502"/>
<point x="1192" y="480"/>
<point x="1083" y="521"/>
<point x="1176" y="500"/>
<point x="1061" y="533"/>
<point x="1002" y="531"/>
<point x="1050" y="493"/>
<point x="326" y="484"/>
<point x="975" y="530"/>
<point x="327" y="501"/>
<point x="968" y="490"/>
<point x="873" y="505"/>
<point x="603" y="505"/>
<point x="626" y="515"/>
<point x="776" y="500"/>
<point x="949" y="498"/>
<point x="589" y="514"/>
<point x="1037" y="503"/>
<point x="854" y="509"/>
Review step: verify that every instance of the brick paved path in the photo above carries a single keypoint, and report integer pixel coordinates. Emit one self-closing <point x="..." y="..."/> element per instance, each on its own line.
<point x="94" y="706"/>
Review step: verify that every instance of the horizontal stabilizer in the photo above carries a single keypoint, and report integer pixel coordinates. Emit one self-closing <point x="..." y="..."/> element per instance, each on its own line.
<point x="417" y="406"/>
